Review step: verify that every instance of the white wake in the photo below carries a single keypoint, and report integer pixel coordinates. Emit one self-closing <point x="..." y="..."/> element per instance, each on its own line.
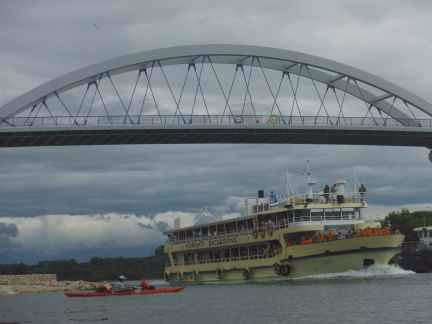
<point x="375" y="271"/>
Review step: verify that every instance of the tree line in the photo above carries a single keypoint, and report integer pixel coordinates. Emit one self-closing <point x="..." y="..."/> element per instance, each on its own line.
<point x="406" y="221"/>
<point x="96" y="269"/>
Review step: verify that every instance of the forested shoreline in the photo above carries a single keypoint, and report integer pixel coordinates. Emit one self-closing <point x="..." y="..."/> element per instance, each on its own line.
<point x="411" y="258"/>
<point x="406" y="221"/>
<point x="96" y="269"/>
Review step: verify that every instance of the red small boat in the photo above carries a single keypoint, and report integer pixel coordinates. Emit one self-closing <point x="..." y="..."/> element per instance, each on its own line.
<point x="126" y="292"/>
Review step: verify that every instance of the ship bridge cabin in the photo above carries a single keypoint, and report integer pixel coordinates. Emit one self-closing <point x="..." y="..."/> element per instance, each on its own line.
<point x="424" y="235"/>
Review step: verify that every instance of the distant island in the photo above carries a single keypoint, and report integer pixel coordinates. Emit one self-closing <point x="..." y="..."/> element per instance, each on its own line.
<point x="152" y="267"/>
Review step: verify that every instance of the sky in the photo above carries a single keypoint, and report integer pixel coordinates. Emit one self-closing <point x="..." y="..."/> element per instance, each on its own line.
<point x="79" y="202"/>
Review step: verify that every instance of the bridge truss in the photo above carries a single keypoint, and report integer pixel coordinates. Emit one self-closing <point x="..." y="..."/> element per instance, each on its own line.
<point x="217" y="94"/>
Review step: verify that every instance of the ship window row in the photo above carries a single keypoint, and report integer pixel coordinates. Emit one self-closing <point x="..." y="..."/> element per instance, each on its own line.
<point x="274" y="220"/>
<point x="265" y="250"/>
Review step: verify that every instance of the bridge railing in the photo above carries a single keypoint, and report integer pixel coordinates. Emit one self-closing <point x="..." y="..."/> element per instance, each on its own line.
<point x="207" y="121"/>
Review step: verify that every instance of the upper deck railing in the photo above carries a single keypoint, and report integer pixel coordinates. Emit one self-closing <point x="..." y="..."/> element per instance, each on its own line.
<point x="303" y="200"/>
<point x="339" y="216"/>
<point x="207" y="121"/>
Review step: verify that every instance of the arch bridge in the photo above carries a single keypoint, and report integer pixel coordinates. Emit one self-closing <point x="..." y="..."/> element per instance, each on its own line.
<point x="217" y="94"/>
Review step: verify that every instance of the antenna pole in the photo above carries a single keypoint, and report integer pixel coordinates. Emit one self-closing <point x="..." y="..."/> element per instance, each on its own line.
<point x="355" y="180"/>
<point x="310" y="182"/>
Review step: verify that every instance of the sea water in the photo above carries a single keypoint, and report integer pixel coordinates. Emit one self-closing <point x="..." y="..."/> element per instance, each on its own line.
<point x="385" y="294"/>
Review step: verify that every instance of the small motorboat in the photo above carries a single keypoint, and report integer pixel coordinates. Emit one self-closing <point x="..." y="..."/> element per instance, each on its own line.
<point x="125" y="292"/>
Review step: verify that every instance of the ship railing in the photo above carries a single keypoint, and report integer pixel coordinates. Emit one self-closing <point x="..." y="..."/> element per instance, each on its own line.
<point x="290" y="220"/>
<point x="209" y="237"/>
<point x="265" y="204"/>
<point x="312" y="219"/>
<point x="271" y="226"/>
<point x="323" y="198"/>
<point x="366" y="232"/>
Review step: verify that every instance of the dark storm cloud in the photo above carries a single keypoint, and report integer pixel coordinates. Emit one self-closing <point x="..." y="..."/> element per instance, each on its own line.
<point x="41" y="40"/>
<point x="152" y="179"/>
<point x="10" y="230"/>
<point x="7" y="231"/>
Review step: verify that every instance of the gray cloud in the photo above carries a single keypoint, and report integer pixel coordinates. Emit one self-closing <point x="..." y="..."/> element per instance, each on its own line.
<point x="44" y="39"/>
<point x="145" y="226"/>
<point x="7" y="231"/>
<point x="153" y="179"/>
<point x="10" y="230"/>
<point x="82" y="236"/>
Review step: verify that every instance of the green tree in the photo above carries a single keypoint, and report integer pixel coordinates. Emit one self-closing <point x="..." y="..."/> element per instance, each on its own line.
<point x="406" y="221"/>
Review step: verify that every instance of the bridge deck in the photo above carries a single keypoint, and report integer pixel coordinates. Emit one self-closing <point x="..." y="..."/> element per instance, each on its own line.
<point x="59" y="131"/>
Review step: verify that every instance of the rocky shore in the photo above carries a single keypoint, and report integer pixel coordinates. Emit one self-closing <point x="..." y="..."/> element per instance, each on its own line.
<point x="36" y="283"/>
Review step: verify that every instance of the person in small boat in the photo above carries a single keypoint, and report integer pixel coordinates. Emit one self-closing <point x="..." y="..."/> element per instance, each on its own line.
<point x="121" y="284"/>
<point x="145" y="285"/>
<point x="326" y="193"/>
<point x="362" y="190"/>
<point x="108" y="286"/>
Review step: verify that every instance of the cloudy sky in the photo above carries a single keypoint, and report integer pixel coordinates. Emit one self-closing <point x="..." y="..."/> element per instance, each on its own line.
<point x="115" y="200"/>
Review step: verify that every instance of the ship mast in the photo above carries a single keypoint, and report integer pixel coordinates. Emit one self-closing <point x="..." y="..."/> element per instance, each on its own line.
<point x="310" y="182"/>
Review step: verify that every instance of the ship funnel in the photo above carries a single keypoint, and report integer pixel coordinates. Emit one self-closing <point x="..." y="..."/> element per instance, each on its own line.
<point x="340" y="186"/>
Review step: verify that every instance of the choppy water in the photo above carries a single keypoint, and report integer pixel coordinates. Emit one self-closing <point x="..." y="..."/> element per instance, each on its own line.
<point x="378" y="295"/>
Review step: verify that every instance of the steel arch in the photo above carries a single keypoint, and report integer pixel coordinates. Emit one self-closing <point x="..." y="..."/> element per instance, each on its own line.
<point x="317" y="68"/>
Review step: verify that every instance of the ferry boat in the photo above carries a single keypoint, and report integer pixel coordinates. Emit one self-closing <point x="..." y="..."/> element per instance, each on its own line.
<point x="296" y="236"/>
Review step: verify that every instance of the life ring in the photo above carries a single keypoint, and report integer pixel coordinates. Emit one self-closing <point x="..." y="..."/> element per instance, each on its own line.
<point x="246" y="274"/>
<point x="285" y="269"/>
<point x="277" y="268"/>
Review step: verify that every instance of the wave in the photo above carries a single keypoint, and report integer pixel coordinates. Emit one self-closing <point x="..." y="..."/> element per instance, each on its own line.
<point x="375" y="271"/>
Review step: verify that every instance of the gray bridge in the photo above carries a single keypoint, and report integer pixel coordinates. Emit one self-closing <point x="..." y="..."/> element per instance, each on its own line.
<point x="217" y="94"/>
